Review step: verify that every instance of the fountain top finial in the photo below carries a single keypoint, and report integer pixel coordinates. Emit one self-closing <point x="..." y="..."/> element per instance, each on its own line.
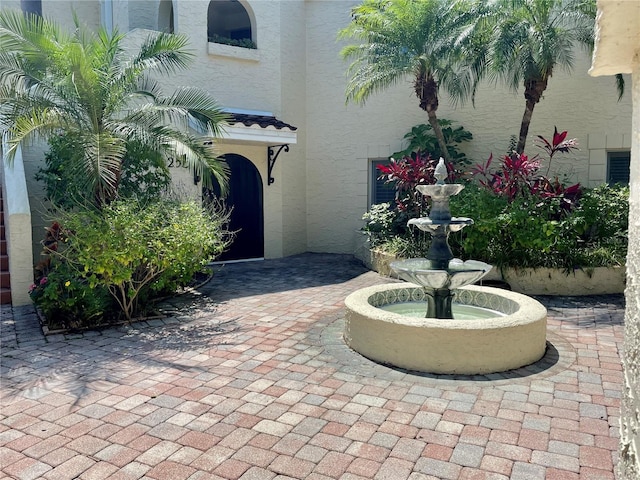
<point x="441" y="172"/>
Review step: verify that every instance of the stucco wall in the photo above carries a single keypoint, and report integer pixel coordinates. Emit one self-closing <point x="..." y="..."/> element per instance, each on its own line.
<point x="321" y="184"/>
<point x="17" y="222"/>
<point x="62" y="11"/>
<point x="143" y="14"/>
<point x="234" y="81"/>
<point x="291" y="178"/>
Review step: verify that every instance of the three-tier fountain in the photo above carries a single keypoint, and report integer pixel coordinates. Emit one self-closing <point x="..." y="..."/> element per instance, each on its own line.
<point x="439" y="322"/>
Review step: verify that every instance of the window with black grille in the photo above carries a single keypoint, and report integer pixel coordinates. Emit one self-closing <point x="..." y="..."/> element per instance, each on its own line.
<point x="618" y="167"/>
<point x="381" y="192"/>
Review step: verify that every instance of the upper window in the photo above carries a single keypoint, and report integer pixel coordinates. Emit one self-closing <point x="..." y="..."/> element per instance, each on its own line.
<point x="380" y="191"/>
<point x="618" y="167"/>
<point x="228" y="22"/>
<point x="31" y="6"/>
<point x="165" y="16"/>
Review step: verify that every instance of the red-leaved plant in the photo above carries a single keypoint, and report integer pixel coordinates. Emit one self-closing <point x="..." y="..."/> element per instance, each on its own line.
<point x="518" y="175"/>
<point x="405" y="175"/>
<point x="514" y="177"/>
<point x="560" y="143"/>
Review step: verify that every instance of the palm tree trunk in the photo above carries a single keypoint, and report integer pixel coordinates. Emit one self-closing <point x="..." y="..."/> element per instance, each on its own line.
<point x="533" y="90"/>
<point x="524" y="126"/>
<point x="437" y="130"/>
<point x="426" y="89"/>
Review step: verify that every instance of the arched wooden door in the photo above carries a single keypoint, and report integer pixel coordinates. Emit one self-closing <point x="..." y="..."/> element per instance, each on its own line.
<point x="245" y="198"/>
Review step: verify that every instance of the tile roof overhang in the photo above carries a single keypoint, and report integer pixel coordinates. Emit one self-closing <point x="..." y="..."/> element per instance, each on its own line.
<point x="258" y="129"/>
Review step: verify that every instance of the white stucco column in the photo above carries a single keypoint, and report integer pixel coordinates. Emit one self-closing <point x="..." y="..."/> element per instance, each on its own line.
<point x="18" y="226"/>
<point x="617" y="50"/>
<point x="629" y="465"/>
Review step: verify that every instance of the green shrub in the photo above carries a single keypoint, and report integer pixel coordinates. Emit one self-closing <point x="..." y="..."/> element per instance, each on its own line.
<point x="521" y="218"/>
<point x="239" y="42"/>
<point x="526" y="232"/>
<point x="422" y="140"/>
<point x="144" y="173"/>
<point x="382" y="223"/>
<point x="66" y="299"/>
<point x="534" y="232"/>
<point x="139" y="252"/>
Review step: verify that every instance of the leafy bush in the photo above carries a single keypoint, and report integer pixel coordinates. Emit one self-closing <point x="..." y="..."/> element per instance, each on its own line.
<point x="239" y="42"/>
<point x="144" y="173"/>
<point x="67" y="300"/>
<point x="422" y="141"/>
<point x="521" y="218"/>
<point x="518" y="175"/>
<point x="529" y="231"/>
<point x="63" y="295"/>
<point x="135" y="252"/>
<point x="382" y="223"/>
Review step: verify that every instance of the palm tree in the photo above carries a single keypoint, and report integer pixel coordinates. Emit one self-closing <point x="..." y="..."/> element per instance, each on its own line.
<point x="416" y="38"/>
<point x="530" y="39"/>
<point x="88" y="87"/>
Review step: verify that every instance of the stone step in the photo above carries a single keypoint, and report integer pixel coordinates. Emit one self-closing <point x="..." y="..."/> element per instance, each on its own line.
<point x="5" y="296"/>
<point x="5" y="279"/>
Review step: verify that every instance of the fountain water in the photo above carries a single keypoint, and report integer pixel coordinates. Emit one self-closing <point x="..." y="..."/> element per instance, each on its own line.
<point x="485" y="330"/>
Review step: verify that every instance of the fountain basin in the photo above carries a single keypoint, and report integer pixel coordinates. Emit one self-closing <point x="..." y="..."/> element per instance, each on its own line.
<point x="427" y="224"/>
<point x="424" y="272"/>
<point x="515" y="338"/>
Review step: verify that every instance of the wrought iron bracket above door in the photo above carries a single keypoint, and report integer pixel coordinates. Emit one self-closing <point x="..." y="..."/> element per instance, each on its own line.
<point x="272" y="155"/>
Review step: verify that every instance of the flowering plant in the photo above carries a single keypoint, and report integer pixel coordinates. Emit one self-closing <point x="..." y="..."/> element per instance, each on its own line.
<point x="59" y="289"/>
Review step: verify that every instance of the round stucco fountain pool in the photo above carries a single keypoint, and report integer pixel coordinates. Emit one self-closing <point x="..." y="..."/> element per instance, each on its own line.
<point x="466" y="330"/>
<point x="512" y="333"/>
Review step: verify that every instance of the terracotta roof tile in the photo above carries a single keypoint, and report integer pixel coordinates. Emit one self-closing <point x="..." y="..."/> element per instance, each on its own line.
<point x="261" y="120"/>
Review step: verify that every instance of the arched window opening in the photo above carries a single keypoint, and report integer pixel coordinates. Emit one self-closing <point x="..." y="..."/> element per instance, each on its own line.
<point x="228" y="22"/>
<point x="165" y="16"/>
<point x="31" y="6"/>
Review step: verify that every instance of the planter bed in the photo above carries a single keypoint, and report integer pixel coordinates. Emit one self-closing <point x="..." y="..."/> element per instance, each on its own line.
<point x="531" y="281"/>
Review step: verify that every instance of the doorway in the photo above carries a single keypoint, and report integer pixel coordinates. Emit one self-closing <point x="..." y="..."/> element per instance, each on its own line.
<point x="245" y="200"/>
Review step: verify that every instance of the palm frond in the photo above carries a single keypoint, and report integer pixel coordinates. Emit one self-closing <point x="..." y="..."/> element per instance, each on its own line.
<point x="89" y="87"/>
<point x="620" y="85"/>
<point x="199" y="155"/>
<point x="101" y="164"/>
<point x="29" y="127"/>
<point x="401" y="38"/>
<point x="162" y="53"/>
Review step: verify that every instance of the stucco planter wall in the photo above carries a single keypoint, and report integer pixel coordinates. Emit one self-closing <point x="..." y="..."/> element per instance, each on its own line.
<point x="372" y="258"/>
<point x="530" y="281"/>
<point x="552" y="281"/>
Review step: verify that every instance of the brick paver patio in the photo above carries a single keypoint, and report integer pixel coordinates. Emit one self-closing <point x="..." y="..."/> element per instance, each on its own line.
<point x="249" y="379"/>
